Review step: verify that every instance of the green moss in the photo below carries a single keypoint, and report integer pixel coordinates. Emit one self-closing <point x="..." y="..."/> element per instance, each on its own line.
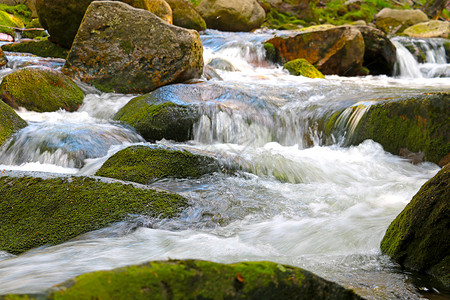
<point x="43" y="48"/>
<point x="301" y="67"/>
<point x="40" y="90"/>
<point x="419" y="238"/>
<point x="8" y="22"/>
<point x="34" y="34"/>
<point x="282" y="21"/>
<point x="144" y="164"/>
<point x="19" y="11"/>
<point x="190" y="279"/>
<point x="418" y="123"/>
<point x="37" y="212"/>
<point x="126" y="46"/>
<point x="155" y="120"/>
<point x="10" y="122"/>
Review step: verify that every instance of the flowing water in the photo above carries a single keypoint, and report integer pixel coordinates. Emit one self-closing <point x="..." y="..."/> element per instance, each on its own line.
<point x="304" y="199"/>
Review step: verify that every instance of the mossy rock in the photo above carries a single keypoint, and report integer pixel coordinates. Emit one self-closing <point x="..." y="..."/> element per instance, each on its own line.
<point x="10" y="122"/>
<point x="155" y="119"/>
<point x="431" y="29"/>
<point x="40" y="90"/>
<point x="37" y="212"/>
<point x="34" y="34"/>
<point x="419" y="238"/>
<point x="8" y="22"/>
<point x="185" y="15"/>
<point x="418" y="123"/>
<point x="42" y="48"/>
<point x="194" y="279"/>
<point x="301" y="67"/>
<point x="144" y="164"/>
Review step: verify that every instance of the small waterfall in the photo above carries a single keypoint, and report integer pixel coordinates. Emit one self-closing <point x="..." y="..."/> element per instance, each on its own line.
<point x="406" y="65"/>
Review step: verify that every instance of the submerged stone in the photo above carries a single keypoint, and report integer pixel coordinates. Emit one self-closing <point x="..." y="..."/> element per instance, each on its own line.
<point x="40" y="90"/>
<point x="116" y="57"/>
<point x="10" y="122"/>
<point x="37" y="212"/>
<point x="195" y="279"/>
<point x="144" y="164"/>
<point x="42" y="48"/>
<point x="301" y="67"/>
<point x="419" y="238"/>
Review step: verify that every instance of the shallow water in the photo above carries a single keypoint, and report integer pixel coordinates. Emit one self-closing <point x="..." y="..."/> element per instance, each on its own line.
<point x="301" y="198"/>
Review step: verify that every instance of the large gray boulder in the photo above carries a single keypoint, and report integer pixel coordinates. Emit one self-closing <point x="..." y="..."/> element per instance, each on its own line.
<point x="431" y="29"/>
<point x="396" y="20"/>
<point x="232" y="15"/>
<point x="122" y="49"/>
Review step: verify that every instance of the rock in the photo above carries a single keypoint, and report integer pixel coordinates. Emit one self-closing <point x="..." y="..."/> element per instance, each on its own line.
<point x="185" y="15"/>
<point x="419" y="238"/>
<point x="3" y="58"/>
<point x="379" y="52"/>
<point x="159" y="7"/>
<point x="160" y="114"/>
<point x="8" y="22"/>
<point x="34" y="30"/>
<point x="209" y="73"/>
<point x="40" y="90"/>
<point x="37" y="212"/>
<point x="333" y="50"/>
<point x="113" y="56"/>
<point x="393" y="21"/>
<point x="232" y="15"/>
<point x="144" y="164"/>
<point x="42" y="48"/>
<point x="417" y="123"/>
<point x="10" y="122"/>
<point x="194" y="279"/>
<point x="431" y="29"/>
<point x="6" y="37"/>
<point x="222" y="64"/>
<point x="62" y="18"/>
<point x="301" y="67"/>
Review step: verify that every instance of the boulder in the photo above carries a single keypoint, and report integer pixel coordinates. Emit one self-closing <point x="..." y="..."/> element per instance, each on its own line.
<point x="8" y="22"/>
<point x="10" y="122"/>
<point x="40" y="90"/>
<point x="419" y="238"/>
<point x="431" y="29"/>
<point x="301" y="67"/>
<point x="232" y="15"/>
<point x="42" y="48"/>
<point x="113" y="56"/>
<point x="185" y="15"/>
<point x="3" y="58"/>
<point x="333" y="50"/>
<point x="144" y="164"/>
<point x="62" y="18"/>
<point x="194" y="279"/>
<point x="159" y="115"/>
<point x="379" y="52"/>
<point x="222" y="64"/>
<point x="393" y="21"/>
<point x="34" y="30"/>
<point x="37" y="212"/>
<point x="415" y="123"/>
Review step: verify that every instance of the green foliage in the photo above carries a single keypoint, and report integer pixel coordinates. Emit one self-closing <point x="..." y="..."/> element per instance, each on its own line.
<point x="282" y="21"/>
<point x="37" y="212"/>
<point x="20" y="11"/>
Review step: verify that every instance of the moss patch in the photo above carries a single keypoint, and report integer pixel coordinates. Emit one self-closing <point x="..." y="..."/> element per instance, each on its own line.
<point x="43" y="48"/>
<point x="419" y="238"/>
<point x="10" y="122"/>
<point x="37" y="212"/>
<point x="40" y="90"/>
<point x="144" y="164"/>
<point x="301" y="67"/>
<point x="419" y="123"/>
<point x="190" y="279"/>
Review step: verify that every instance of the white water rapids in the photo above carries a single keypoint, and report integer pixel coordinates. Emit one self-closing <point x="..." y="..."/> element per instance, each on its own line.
<point x="308" y="201"/>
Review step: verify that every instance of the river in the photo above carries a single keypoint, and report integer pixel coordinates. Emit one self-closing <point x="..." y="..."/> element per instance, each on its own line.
<point x="306" y="199"/>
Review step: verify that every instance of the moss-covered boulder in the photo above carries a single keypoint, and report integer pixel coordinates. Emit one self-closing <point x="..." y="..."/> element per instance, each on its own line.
<point x="419" y="238"/>
<point x="232" y="15"/>
<point x="10" y="122"/>
<point x="144" y="164"/>
<point x="155" y="116"/>
<point x="301" y="67"/>
<point x="3" y="58"/>
<point x="42" y="48"/>
<point x="431" y="29"/>
<point x="185" y="15"/>
<point x="193" y="279"/>
<point x="159" y="7"/>
<point x="34" y="30"/>
<point x="127" y="50"/>
<point x="333" y="50"/>
<point x="9" y="19"/>
<point x="40" y="90"/>
<point x="418" y="123"/>
<point x="37" y="212"/>
<point x="393" y="21"/>
<point x="379" y="52"/>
